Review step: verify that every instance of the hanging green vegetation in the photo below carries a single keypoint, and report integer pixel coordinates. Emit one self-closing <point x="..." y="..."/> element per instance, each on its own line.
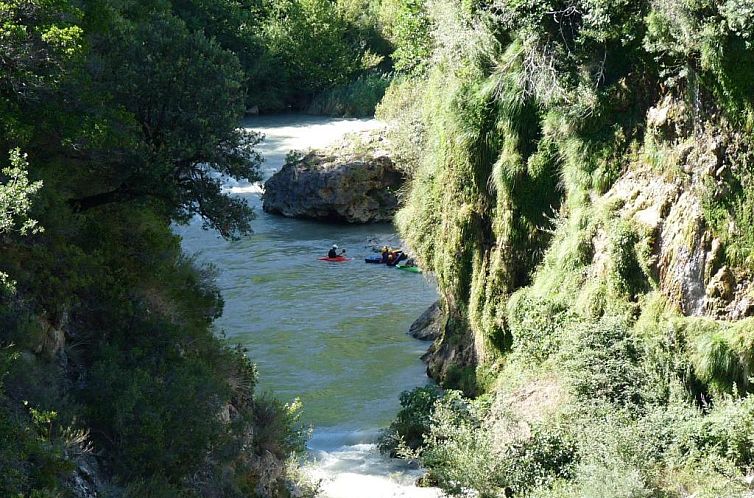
<point x="583" y="197"/>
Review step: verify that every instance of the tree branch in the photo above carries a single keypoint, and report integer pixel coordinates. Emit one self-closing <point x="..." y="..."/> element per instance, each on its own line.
<point x="121" y="194"/>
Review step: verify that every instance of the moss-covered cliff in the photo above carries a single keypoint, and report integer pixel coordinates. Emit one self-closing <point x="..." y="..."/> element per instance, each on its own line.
<point x="584" y="197"/>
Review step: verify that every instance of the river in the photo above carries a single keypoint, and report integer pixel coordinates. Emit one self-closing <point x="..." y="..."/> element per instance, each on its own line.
<point x="331" y="334"/>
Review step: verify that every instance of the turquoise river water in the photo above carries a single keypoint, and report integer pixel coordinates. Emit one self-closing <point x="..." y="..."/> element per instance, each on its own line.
<point x="331" y="334"/>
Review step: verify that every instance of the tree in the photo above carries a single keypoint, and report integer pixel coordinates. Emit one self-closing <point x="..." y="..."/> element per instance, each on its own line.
<point x="16" y="192"/>
<point x="408" y="26"/>
<point x="183" y="96"/>
<point x="308" y="38"/>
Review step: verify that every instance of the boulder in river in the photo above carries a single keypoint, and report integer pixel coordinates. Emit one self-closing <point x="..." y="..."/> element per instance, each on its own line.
<point x="428" y="326"/>
<point x="353" y="182"/>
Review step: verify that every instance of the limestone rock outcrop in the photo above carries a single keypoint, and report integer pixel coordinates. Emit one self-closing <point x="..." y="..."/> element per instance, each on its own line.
<point x="353" y="182"/>
<point x="429" y="325"/>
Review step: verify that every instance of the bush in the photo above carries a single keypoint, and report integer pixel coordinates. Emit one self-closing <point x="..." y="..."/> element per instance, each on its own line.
<point x="161" y="413"/>
<point x="458" y="449"/>
<point x="536" y="326"/>
<point x="547" y="455"/>
<point x="306" y="41"/>
<point x="407" y="25"/>
<point x="358" y="98"/>
<point x="278" y="428"/>
<point x="603" y="362"/>
<point x="413" y="420"/>
<point x="32" y="444"/>
<point x="463" y="451"/>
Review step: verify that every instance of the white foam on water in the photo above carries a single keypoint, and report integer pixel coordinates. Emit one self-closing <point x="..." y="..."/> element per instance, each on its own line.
<point x="300" y="133"/>
<point x="356" y="469"/>
<point x="243" y="188"/>
<point x="350" y="485"/>
<point x="316" y="133"/>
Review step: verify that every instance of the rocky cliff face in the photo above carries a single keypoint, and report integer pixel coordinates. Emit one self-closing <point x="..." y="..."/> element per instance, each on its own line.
<point x="353" y="182"/>
<point x="650" y="233"/>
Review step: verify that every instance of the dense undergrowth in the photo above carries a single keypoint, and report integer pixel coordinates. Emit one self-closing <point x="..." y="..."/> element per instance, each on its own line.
<point x="581" y="188"/>
<point x="357" y="99"/>
<point x="325" y="57"/>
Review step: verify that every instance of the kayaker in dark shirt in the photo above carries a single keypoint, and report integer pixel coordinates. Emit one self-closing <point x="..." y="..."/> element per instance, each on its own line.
<point x="333" y="252"/>
<point x="385" y="254"/>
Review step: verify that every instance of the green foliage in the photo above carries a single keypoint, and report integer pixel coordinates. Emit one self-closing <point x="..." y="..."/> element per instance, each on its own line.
<point x="16" y="193"/>
<point x="536" y="326"/>
<point x="539" y="460"/>
<point x="711" y="39"/>
<point x="143" y="409"/>
<point x="185" y="105"/>
<point x="627" y="273"/>
<point x="721" y="355"/>
<point x="407" y="25"/>
<point x="319" y="55"/>
<point x="358" y="98"/>
<point x="279" y="428"/>
<point x="463" y="379"/>
<point x="129" y="113"/>
<point x="32" y="444"/>
<point x="729" y="202"/>
<point x="412" y="422"/>
<point x="605" y="362"/>
<point x="402" y="107"/>
<point x="458" y="449"/>
<point x="532" y="128"/>
<point x="39" y="38"/>
<point x="462" y="452"/>
<point x="308" y="35"/>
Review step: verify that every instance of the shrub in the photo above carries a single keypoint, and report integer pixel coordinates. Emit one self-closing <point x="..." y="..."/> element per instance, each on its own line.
<point x="278" y="428"/>
<point x="603" y="362"/>
<point x="307" y="42"/>
<point x="358" y="98"/>
<point x="407" y="25"/>
<point x="463" y="452"/>
<point x="458" y="450"/>
<point x="32" y="444"/>
<point x="546" y="455"/>
<point x="627" y="274"/>
<point x="536" y="325"/>
<point x="166" y="409"/>
<point x="413" y="420"/>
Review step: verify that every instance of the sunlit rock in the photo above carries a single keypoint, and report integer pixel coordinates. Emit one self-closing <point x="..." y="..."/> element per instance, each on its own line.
<point x="353" y="182"/>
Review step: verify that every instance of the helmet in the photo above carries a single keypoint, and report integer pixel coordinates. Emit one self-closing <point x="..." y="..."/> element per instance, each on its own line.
<point x="335" y="246"/>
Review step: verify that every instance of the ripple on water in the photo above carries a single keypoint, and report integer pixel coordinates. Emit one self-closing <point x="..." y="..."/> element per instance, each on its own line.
<point x="332" y="334"/>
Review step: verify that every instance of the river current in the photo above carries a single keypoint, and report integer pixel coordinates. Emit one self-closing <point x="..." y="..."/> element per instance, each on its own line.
<point x="331" y="334"/>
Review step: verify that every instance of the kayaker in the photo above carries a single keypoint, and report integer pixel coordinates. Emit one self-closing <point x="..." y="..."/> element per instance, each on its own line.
<point x="395" y="257"/>
<point x="333" y="252"/>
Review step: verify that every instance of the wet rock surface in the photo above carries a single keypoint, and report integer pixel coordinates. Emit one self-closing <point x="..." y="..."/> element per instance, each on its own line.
<point x="429" y="325"/>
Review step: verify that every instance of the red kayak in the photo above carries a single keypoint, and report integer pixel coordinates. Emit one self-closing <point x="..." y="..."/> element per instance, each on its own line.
<point x="337" y="259"/>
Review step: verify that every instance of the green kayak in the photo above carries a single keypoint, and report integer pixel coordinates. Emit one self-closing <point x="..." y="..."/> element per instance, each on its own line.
<point x="412" y="269"/>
